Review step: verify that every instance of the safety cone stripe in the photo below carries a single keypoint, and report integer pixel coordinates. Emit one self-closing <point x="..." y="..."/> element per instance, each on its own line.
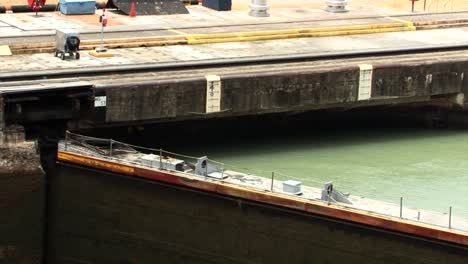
<point x="132" y="9"/>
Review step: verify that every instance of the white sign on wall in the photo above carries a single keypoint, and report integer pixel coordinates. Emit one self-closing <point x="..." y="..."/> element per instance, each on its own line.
<point x="100" y="101"/>
<point x="365" y="82"/>
<point x="213" y="93"/>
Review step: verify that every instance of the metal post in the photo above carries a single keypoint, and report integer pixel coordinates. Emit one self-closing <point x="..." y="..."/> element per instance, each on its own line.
<point x="101" y="48"/>
<point x="401" y="207"/>
<point x="110" y="150"/>
<point x="66" y="140"/>
<point x="103" y="21"/>
<point x="272" y="180"/>
<point x="259" y="8"/>
<point x="419" y="216"/>
<point x="160" y="159"/>
<point x="450" y="217"/>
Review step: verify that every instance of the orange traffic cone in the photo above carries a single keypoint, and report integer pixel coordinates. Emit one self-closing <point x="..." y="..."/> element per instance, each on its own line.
<point x="132" y="9"/>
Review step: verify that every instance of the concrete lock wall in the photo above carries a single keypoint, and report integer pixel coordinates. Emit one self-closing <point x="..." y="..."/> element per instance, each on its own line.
<point x="97" y="217"/>
<point x="282" y="91"/>
<point x="21" y="204"/>
<point x="419" y="80"/>
<point x="157" y="100"/>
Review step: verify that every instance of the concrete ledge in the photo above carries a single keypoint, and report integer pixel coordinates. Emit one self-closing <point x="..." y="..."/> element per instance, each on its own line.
<point x="186" y="35"/>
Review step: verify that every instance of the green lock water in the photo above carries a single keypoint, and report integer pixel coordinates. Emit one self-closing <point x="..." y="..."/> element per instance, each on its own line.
<point x="376" y="154"/>
<point x="428" y="168"/>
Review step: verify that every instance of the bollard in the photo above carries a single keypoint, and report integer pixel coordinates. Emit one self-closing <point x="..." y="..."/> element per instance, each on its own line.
<point x="259" y="8"/>
<point x="419" y="216"/>
<point x="336" y="6"/>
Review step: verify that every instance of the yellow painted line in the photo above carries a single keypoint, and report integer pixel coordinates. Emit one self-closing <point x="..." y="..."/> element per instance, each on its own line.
<point x="176" y="31"/>
<point x="290" y="35"/>
<point x="294" y="31"/>
<point x="105" y="54"/>
<point x="407" y="22"/>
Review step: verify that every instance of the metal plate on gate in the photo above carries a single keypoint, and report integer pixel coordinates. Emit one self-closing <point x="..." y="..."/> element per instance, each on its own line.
<point x="150" y="7"/>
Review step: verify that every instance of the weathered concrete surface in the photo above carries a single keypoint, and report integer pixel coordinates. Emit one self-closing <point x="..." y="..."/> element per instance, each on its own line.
<point x="283" y="87"/>
<point x="159" y="95"/>
<point x="21" y="203"/>
<point x="420" y="79"/>
<point x="102" y="218"/>
<point x="233" y="50"/>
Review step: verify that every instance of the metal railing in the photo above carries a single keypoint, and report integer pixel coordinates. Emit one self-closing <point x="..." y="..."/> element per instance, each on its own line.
<point x="120" y="151"/>
<point x="272" y="180"/>
<point x="439" y="219"/>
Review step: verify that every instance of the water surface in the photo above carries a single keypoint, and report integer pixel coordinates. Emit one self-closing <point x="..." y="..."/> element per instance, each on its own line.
<point x="429" y="168"/>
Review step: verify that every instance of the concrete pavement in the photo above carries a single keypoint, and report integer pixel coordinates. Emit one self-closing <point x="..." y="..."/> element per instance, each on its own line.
<point x="205" y="52"/>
